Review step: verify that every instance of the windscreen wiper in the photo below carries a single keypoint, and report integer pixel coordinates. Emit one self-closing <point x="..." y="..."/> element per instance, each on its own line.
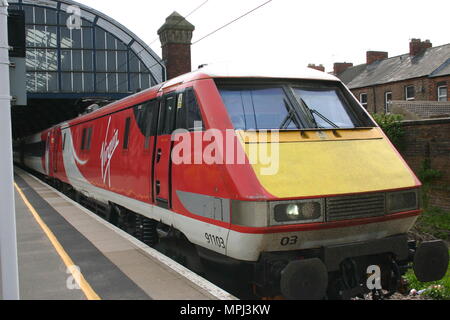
<point x="314" y="111"/>
<point x="324" y="118"/>
<point x="311" y="114"/>
<point x="291" y="117"/>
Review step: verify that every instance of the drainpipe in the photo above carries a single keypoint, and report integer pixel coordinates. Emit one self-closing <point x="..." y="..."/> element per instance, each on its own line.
<point x="8" y="241"/>
<point x="374" y="100"/>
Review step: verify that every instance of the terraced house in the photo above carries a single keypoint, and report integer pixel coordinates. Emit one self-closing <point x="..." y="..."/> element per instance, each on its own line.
<point x="423" y="74"/>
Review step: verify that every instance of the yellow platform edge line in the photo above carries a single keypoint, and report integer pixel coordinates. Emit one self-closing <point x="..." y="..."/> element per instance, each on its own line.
<point x="77" y="275"/>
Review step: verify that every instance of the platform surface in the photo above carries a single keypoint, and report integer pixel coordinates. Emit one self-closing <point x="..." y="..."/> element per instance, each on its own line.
<point x="114" y="265"/>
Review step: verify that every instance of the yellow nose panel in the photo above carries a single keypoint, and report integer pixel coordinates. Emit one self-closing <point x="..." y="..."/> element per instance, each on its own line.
<point x="332" y="166"/>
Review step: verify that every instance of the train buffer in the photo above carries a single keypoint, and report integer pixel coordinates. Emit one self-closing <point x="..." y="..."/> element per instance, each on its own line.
<point x="67" y="252"/>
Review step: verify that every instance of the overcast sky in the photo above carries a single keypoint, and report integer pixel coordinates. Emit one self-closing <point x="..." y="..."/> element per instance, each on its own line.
<point x="293" y="31"/>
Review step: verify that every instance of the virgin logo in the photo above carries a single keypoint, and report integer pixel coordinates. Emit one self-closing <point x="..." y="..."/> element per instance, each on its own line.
<point x="107" y="152"/>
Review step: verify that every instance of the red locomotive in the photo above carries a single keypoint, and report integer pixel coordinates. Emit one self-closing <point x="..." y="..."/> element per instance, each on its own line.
<point x="330" y="198"/>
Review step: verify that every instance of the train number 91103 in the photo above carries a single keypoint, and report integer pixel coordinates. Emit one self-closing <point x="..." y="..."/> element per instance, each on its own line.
<point x="215" y="240"/>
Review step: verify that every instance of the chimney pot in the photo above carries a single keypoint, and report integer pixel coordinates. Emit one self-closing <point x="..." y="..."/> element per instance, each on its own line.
<point x="340" y="67"/>
<point x="319" y="67"/>
<point x="416" y="46"/>
<point x="175" y="36"/>
<point x="373" y="56"/>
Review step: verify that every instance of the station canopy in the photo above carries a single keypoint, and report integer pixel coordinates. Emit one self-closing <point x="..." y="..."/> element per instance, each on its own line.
<point x="72" y="63"/>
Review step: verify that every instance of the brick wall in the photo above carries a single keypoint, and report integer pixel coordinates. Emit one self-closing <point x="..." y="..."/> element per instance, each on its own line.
<point x="430" y="139"/>
<point x="425" y="89"/>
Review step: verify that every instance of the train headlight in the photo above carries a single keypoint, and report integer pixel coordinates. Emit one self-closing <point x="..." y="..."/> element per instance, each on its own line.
<point x="402" y="201"/>
<point x="293" y="212"/>
<point x="308" y="211"/>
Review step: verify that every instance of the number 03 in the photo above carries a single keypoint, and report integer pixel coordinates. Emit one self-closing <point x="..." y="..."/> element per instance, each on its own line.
<point x="289" y="241"/>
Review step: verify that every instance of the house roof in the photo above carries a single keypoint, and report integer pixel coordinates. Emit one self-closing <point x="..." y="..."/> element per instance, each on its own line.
<point x="433" y="62"/>
<point x="422" y="109"/>
<point x="351" y="73"/>
<point x="442" y="70"/>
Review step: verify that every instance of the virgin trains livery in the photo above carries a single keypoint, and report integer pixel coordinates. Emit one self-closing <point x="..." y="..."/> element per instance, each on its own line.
<point x="285" y="173"/>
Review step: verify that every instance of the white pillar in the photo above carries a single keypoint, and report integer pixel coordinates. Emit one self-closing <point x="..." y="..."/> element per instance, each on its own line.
<point x="8" y="240"/>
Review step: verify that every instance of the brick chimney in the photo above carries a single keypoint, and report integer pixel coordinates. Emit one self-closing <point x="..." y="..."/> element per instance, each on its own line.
<point x="319" y="67"/>
<point x="340" y="67"/>
<point x="416" y="46"/>
<point x="175" y="36"/>
<point x="373" y="56"/>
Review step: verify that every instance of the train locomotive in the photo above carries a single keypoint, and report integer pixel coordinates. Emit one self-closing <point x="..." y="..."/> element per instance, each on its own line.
<point x="326" y="196"/>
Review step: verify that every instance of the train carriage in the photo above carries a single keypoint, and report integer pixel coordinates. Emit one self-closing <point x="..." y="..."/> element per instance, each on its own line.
<point x="284" y="172"/>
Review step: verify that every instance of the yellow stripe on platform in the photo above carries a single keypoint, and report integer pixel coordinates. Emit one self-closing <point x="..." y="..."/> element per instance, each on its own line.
<point x="77" y="275"/>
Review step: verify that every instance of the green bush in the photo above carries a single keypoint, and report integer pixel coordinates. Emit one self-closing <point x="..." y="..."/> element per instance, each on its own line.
<point x="392" y="127"/>
<point x="427" y="176"/>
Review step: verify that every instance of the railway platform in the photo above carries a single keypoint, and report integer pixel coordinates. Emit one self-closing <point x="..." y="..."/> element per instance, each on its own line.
<point x="66" y="252"/>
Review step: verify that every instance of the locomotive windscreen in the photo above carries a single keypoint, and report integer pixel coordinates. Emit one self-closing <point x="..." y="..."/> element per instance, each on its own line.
<point x="290" y="107"/>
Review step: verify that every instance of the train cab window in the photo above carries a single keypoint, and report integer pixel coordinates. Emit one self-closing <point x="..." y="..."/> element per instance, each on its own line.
<point x="326" y="106"/>
<point x="86" y="139"/>
<point x="83" y="138"/>
<point x="169" y="118"/>
<point x="188" y="112"/>
<point x="146" y="118"/>
<point x="89" y="137"/>
<point x="126" y="134"/>
<point x="259" y="108"/>
<point x="167" y="114"/>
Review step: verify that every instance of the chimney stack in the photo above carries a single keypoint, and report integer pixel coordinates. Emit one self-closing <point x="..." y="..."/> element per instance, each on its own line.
<point x="416" y="46"/>
<point x="319" y="68"/>
<point x="340" y="67"/>
<point x="373" y="56"/>
<point x="175" y="36"/>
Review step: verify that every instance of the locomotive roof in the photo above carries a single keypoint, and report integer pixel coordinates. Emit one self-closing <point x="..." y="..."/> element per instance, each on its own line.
<point x="222" y="70"/>
<point x="245" y="70"/>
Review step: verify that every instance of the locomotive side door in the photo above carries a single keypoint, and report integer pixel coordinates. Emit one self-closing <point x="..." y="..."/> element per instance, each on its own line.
<point x="56" y="148"/>
<point x="162" y="161"/>
<point x="51" y="152"/>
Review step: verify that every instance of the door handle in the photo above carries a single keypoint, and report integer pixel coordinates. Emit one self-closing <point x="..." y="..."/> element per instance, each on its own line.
<point x="158" y="155"/>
